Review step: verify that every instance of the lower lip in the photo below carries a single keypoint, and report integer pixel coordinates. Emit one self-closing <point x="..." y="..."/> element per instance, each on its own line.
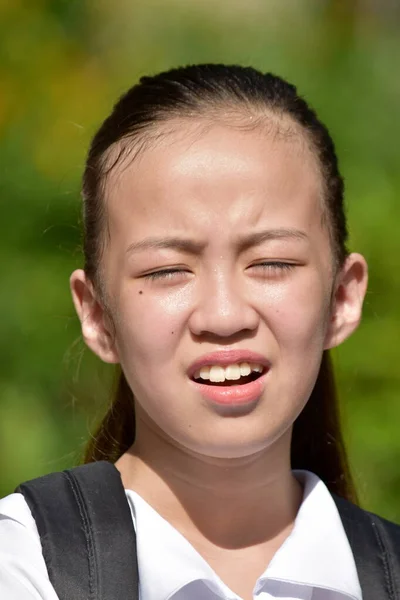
<point x="233" y="395"/>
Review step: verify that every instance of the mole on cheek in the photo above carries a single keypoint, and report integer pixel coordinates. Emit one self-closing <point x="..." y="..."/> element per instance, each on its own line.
<point x="172" y="332"/>
<point x="140" y="291"/>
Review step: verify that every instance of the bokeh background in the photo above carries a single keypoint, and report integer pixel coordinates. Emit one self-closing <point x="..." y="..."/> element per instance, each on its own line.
<point x="63" y="63"/>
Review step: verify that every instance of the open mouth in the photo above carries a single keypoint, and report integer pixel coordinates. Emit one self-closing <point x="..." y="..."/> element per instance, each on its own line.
<point x="231" y="375"/>
<point x="227" y="383"/>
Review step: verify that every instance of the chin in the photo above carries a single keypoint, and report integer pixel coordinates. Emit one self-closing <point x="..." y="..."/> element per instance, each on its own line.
<point x="240" y="446"/>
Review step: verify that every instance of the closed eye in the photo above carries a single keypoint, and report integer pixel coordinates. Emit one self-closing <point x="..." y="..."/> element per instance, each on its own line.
<point x="274" y="266"/>
<point x="166" y="274"/>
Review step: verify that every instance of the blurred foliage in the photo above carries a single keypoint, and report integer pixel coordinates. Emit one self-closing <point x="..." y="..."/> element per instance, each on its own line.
<point x="62" y="65"/>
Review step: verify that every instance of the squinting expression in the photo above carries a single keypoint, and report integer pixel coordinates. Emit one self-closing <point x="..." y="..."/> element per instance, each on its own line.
<point x="217" y="245"/>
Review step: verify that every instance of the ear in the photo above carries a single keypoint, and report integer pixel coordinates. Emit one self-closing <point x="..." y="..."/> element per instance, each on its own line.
<point x="347" y="301"/>
<point x="96" y="327"/>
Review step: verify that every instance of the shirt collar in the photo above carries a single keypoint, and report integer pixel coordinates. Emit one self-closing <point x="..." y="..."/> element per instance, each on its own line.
<point x="316" y="554"/>
<point x="167" y="561"/>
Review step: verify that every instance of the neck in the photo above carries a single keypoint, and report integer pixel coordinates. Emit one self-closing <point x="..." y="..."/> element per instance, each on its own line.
<point x="232" y="503"/>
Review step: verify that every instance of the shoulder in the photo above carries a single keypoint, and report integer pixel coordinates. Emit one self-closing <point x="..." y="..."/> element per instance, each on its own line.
<point x="375" y="543"/>
<point x="23" y="573"/>
<point x="14" y="510"/>
<point x="350" y="513"/>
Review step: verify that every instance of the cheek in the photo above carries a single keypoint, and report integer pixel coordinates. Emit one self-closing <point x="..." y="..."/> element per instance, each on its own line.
<point x="149" y="325"/>
<point x="299" y="312"/>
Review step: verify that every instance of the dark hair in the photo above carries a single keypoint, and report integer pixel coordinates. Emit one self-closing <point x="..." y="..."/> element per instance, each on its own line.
<point x="212" y="91"/>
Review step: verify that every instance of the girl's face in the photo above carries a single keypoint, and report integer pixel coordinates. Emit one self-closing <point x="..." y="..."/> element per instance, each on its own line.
<point x="218" y="256"/>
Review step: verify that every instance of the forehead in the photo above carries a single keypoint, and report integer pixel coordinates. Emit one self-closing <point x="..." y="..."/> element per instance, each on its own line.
<point x="203" y="178"/>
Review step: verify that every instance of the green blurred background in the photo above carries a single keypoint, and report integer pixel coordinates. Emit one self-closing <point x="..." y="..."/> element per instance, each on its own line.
<point x="62" y="65"/>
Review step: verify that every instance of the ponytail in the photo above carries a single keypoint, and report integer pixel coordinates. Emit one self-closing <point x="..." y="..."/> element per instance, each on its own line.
<point x="116" y="432"/>
<point x="317" y="439"/>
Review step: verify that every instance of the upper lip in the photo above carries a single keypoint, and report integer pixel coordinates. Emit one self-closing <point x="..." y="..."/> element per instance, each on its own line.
<point x="227" y="357"/>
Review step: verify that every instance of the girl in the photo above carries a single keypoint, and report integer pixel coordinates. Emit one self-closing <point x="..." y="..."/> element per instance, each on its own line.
<point x="217" y="276"/>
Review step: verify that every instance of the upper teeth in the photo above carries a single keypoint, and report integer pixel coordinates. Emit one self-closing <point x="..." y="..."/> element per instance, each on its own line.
<point x="216" y="373"/>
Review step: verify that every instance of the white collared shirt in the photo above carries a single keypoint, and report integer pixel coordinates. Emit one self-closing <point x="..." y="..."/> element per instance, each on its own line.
<point x="314" y="563"/>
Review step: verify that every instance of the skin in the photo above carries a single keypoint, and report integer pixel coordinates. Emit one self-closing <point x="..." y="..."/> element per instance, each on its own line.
<point x="222" y="478"/>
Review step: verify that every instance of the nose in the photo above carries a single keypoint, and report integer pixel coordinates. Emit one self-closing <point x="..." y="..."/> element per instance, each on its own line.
<point x="223" y="308"/>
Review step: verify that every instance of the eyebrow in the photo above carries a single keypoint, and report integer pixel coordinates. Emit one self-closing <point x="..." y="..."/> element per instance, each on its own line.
<point x="259" y="237"/>
<point x="151" y="243"/>
<point x="192" y="247"/>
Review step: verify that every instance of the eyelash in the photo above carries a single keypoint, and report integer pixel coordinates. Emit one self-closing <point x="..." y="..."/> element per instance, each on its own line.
<point x="275" y="266"/>
<point x="164" y="274"/>
<point x="268" y="266"/>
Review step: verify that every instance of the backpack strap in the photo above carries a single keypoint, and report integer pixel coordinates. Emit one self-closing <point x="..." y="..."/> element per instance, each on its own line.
<point x="87" y="533"/>
<point x="375" y="543"/>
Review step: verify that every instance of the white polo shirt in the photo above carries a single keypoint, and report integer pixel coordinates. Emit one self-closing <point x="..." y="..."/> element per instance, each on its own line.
<point x="314" y="563"/>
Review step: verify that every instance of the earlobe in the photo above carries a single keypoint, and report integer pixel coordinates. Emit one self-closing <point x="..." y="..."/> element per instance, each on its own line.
<point x="96" y="330"/>
<point x="347" y="301"/>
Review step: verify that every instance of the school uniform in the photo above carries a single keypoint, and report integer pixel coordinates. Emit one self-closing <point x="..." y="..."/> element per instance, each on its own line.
<point x="316" y="561"/>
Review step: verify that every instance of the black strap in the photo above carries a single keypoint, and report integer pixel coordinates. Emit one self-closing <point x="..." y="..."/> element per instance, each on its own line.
<point x="86" y="530"/>
<point x="375" y="543"/>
